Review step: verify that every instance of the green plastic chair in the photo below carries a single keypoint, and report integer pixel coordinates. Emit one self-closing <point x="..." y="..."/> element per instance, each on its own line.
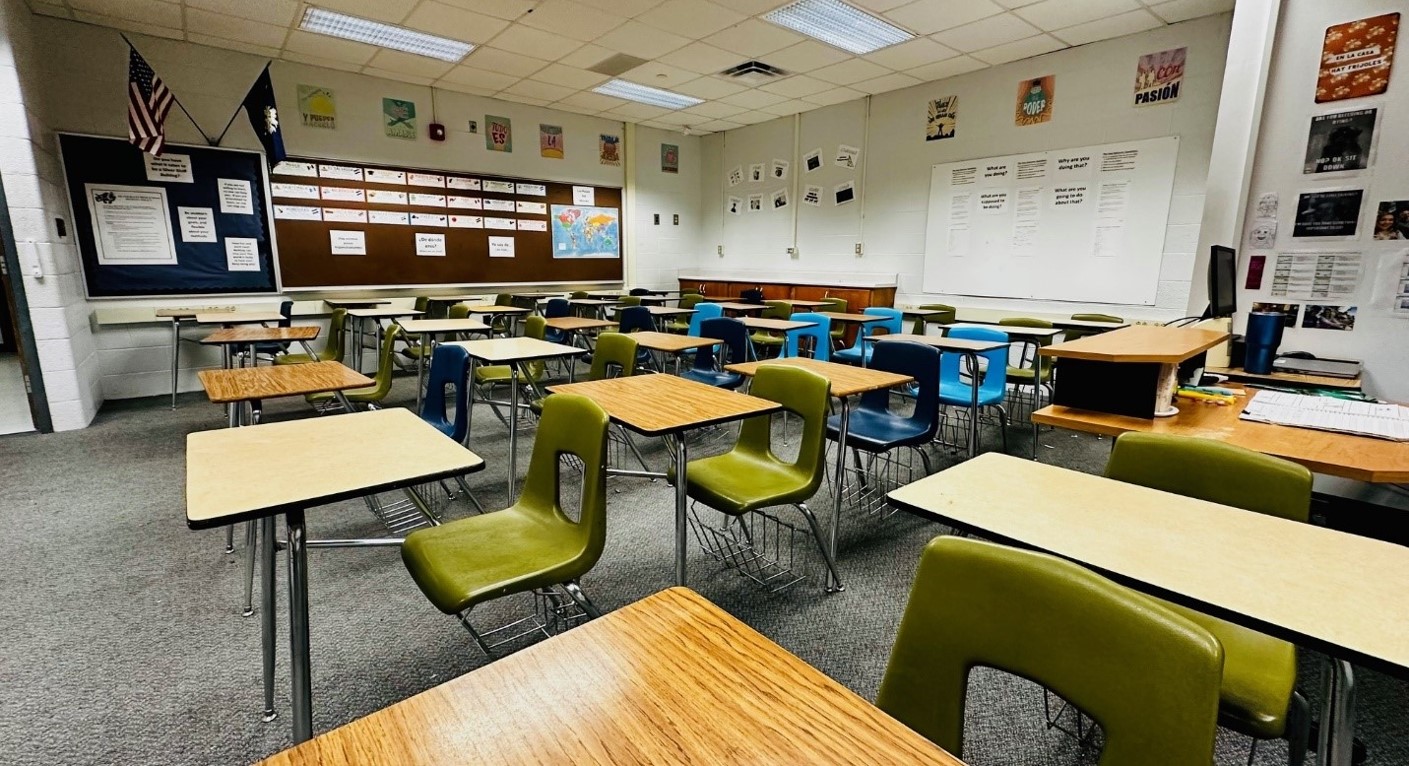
<point x="381" y="382"/>
<point x="1259" y="697"/>
<point x="495" y="374"/>
<point x="1081" y="332"/>
<point x="413" y="339"/>
<point x="459" y="311"/>
<point x="613" y="357"/>
<point x="687" y="301"/>
<point x="1148" y="676"/>
<point x="532" y="544"/>
<point x="922" y="322"/>
<point x="332" y="350"/>
<point x="836" y="306"/>
<point x="769" y="338"/>
<point x="751" y="476"/>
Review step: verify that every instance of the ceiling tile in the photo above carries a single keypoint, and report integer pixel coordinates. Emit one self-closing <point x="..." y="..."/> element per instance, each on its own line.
<point x="1058" y="14"/>
<point x="1022" y="49"/>
<point x="753" y="118"/>
<point x="886" y="83"/>
<point x="469" y="89"/>
<point x="381" y="10"/>
<point x="47" y="9"/>
<point x="948" y="68"/>
<point x="455" y="23"/>
<point x="797" y="86"/>
<point x="565" y="107"/>
<point x="527" y="41"/>
<point x="544" y="90"/>
<point x="325" y="47"/>
<point x="986" y="33"/>
<point x="1183" y="10"/>
<point x="479" y="78"/>
<point x="676" y="119"/>
<point x="715" y="126"/>
<point x="302" y="58"/>
<point x="806" y="56"/>
<point x="636" y="111"/>
<point x="269" y="11"/>
<point x="1105" y="29"/>
<point x="654" y="124"/>
<point x="571" y="77"/>
<point x="128" y="25"/>
<point x="572" y="19"/>
<point x="702" y="58"/>
<point x="848" y="72"/>
<point x="788" y="107"/>
<point x="499" y="9"/>
<point x="628" y="8"/>
<point x="156" y="12"/>
<point x="709" y="88"/>
<point x="929" y="16"/>
<point x="1015" y="3"/>
<point x="232" y="28"/>
<point x="691" y="18"/>
<point x="659" y="75"/>
<point x="713" y="110"/>
<point x="754" y="98"/>
<point x="879" y="6"/>
<point x="641" y="41"/>
<point x="401" y="77"/>
<point x="833" y="96"/>
<point x="502" y="96"/>
<point x="752" y="7"/>
<point x="585" y="57"/>
<point x="917" y="52"/>
<point x="233" y="45"/>
<point x="504" y="62"/>
<point x="753" y="38"/>
<point x="593" y="101"/>
<point x="406" y="63"/>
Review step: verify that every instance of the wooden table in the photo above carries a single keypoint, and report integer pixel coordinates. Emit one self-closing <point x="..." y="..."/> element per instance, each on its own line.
<point x="846" y="381"/>
<point x="798" y="303"/>
<point x="672" y="344"/>
<point x="427" y="329"/>
<point x="668" y="311"/>
<point x="1348" y="456"/>
<point x="776" y="325"/>
<point x="741" y="308"/>
<point x="230" y="318"/>
<point x="512" y="352"/>
<point x="1245" y="567"/>
<point x="355" y="303"/>
<point x="598" y="305"/>
<point x="358" y="318"/>
<point x="1057" y="324"/>
<point x="664" y="405"/>
<point x="1289" y="379"/>
<point x="177" y="316"/>
<point x="577" y="324"/>
<point x="254" y="384"/>
<point x="670" y="679"/>
<point x="970" y="349"/>
<point x="842" y="316"/>
<point x="244" y="474"/>
<point x="228" y="337"/>
<point x="1131" y="371"/>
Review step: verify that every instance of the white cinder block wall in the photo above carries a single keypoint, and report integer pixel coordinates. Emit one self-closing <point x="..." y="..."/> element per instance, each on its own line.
<point x="34" y="189"/>
<point x="1094" y="94"/>
<point x="85" y="68"/>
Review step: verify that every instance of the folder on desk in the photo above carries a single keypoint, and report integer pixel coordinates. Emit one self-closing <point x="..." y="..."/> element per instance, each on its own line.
<point x="1381" y="421"/>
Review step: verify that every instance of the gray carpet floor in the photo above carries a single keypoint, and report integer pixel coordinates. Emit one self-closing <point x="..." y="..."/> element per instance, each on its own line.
<point x="122" y="640"/>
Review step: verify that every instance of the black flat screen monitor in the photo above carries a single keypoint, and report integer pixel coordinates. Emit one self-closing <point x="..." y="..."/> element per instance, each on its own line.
<point x="1222" y="281"/>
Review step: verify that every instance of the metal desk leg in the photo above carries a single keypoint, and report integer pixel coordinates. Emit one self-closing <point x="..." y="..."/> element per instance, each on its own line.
<point x="974" y="380"/>
<point x="175" y="355"/>
<point x="1036" y="396"/>
<point x="421" y="368"/>
<point x="842" y="433"/>
<point x="300" y="676"/>
<point x="513" y="427"/>
<point x="267" y="583"/>
<point x="681" y="499"/>
<point x="1336" y="738"/>
<point x="470" y="401"/>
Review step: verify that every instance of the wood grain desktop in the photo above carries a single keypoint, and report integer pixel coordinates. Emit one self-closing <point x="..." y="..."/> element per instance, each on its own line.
<point x="244" y="384"/>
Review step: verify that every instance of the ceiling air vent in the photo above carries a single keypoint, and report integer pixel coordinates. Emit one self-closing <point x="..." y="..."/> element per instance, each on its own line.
<point x="754" y="73"/>
<point x="615" y="65"/>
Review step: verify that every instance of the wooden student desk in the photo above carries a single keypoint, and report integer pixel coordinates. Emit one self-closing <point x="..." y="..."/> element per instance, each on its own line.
<point x="1131" y="371"/>
<point x="177" y="316"/>
<point x="1248" y="568"/>
<point x="427" y="330"/>
<point x="670" y="679"/>
<point x="664" y="405"/>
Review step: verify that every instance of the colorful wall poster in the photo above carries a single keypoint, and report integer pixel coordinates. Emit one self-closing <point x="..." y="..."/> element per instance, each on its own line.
<point x="669" y="158"/>
<point x="1159" y="76"/>
<point x="1035" y="100"/>
<point x="498" y="134"/>
<point x="399" y="118"/>
<point x="586" y="232"/>
<point x="1391" y="220"/>
<point x="609" y="149"/>
<point x="1356" y="58"/>
<point x="550" y="141"/>
<point x="317" y="108"/>
<point x="1319" y="317"/>
<point x="1328" y="213"/>
<point x="942" y="118"/>
<point x="1340" y="141"/>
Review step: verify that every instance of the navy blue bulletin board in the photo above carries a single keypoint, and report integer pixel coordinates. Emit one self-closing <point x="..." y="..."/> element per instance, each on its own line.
<point x="201" y="267"/>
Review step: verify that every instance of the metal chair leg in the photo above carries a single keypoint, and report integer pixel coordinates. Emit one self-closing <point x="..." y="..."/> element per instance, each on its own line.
<point x="822" y="544"/>
<point x="1298" y="729"/>
<point x="230" y="539"/>
<point x="464" y="618"/>
<point x="471" y="495"/>
<point x="626" y="436"/>
<point x="250" y="540"/>
<point x="575" y="591"/>
<point x="1003" y="425"/>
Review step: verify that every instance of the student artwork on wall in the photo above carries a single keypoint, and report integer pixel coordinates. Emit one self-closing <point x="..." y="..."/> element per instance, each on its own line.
<point x="1159" y="77"/>
<point x="1036" y="98"/>
<point x="756" y="173"/>
<point x="736" y="175"/>
<point x="736" y="205"/>
<point x="780" y="199"/>
<point x="669" y="158"/>
<point x="1328" y="213"/>
<point x="755" y="203"/>
<point x="586" y="232"/>
<point x="812" y="161"/>
<point x="812" y="195"/>
<point x="942" y="119"/>
<point x="399" y="118"/>
<point x="498" y="134"/>
<point x="848" y="156"/>
<point x="844" y="193"/>
<point x="550" y="141"/>
<point x="317" y="108"/>
<point x="1340" y="141"/>
<point x="779" y="170"/>
<point x="609" y="149"/>
<point x="1391" y="220"/>
<point x="1356" y="58"/>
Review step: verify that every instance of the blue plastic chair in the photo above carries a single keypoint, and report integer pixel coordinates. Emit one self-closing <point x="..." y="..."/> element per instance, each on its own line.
<point x="557" y="307"/>
<point x="874" y="427"/>
<point x="954" y="391"/>
<point x="708" y="367"/>
<point x="450" y="366"/>
<point x="704" y="311"/>
<point x="638" y="319"/>
<point x="820" y="334"/>
<point x="272" y="349"/>
<point x="861" y="352"/>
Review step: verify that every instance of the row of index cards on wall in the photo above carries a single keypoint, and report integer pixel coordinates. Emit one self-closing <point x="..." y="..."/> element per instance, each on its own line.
<point x="405" y="178"/>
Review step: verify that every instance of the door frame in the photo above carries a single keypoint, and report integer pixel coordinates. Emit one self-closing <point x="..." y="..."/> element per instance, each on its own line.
<point x="20" y="325"/>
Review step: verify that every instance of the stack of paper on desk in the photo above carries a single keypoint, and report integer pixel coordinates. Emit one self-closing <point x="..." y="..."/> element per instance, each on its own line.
<point x="1383" y="421"/>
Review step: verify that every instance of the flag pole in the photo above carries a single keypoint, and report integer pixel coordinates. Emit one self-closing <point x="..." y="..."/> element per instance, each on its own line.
<point x="241" y="106"/>
<point x="174" y="97"/>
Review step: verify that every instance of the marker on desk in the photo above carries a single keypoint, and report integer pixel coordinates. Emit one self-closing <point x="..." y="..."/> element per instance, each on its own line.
<point x="1201" y="396"/>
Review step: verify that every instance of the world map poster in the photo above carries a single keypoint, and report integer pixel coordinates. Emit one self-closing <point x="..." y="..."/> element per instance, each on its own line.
<point x="586" y="232"/>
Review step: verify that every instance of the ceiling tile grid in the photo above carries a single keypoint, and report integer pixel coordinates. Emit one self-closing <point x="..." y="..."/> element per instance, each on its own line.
<point x="543" y="52"/>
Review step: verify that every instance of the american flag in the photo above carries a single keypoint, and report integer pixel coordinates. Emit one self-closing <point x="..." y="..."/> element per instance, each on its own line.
<point x="148" y="102"/>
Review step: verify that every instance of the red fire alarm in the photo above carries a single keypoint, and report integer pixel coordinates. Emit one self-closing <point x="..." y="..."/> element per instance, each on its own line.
<point x="437" y="131"/>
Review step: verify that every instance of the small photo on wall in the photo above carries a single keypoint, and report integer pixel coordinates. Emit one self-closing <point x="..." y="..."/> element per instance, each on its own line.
<point x="1318" y="317"/>
<point x="736" y="205"/>
<point x="1287" y="310"/>
<point x="755" y="203"/>
<point x="1340" y="141"/>
<point x="942" y="118"/>
<point x="812" y="160"/>
<point x="1391" y="220"/>
<point x="844" y="193"/>
<point x="780" y="199"/>
<point x="1327" y="214"/>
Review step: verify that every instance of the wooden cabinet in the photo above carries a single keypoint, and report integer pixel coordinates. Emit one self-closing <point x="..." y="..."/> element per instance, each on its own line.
<point x="857" y="298"/>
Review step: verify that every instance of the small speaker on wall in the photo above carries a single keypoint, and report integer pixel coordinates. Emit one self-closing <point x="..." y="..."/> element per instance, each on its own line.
<point x="437" y="131"/>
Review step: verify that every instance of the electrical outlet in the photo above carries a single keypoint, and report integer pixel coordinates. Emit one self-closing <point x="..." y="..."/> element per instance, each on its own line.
<point x="719" y="249"/>
<point x="675" y="219"/>
<point x="792" y="252"/>
<point x="858" y="249"/>
<point x="656" y="219"/>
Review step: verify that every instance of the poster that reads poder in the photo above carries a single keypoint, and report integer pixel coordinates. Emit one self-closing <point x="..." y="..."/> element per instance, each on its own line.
<point x="1159" y="77"/>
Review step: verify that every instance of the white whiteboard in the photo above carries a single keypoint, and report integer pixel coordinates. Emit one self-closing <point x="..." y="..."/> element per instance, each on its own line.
<point x="1084" y="224"/>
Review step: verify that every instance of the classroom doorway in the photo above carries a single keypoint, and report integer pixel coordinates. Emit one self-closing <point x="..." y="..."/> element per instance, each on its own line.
<point x="22" y="404"/>
<point x="15" y="416"/>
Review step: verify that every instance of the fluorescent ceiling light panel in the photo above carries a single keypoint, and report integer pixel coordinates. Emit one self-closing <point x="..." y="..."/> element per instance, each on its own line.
<point x="839" y="25"/>
<point x="334" y="24"/>
<point x="645" y="94"/>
